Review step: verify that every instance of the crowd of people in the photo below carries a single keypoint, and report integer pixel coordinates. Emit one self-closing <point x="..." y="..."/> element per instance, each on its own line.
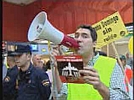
<point x="30" y="78"/>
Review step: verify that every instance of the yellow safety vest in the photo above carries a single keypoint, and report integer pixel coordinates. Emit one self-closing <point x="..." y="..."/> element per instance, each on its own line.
<point x="104" y="66"/>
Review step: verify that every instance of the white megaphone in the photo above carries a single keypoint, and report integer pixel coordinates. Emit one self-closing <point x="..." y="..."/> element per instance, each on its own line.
<point x="40" y="28"/>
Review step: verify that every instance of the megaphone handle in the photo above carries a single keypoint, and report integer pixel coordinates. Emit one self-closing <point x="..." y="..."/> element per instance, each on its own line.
<point x="54" y="86"/>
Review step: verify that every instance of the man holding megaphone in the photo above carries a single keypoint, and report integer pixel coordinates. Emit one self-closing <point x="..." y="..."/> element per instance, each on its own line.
<point x="102" y="75"/>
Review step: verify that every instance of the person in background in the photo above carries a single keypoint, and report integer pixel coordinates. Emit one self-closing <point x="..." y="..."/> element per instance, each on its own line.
<point x="42" y="65"/>
<point x="102" y="75"/>
<point x="36" y="59"/>
<point x="127" y="68"/>
<point x="49" y="71"/>
<point x="9" y="92"/>
<point x="129" y="60"/>
<point x="4" y="68"/>
<point x="38" y="62"/>
<point x="32" y="83"/>
<point x="129" y="74"/>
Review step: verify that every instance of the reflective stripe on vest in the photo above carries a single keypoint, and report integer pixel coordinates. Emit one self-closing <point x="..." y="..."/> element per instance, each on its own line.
<point x="104" y="66"/>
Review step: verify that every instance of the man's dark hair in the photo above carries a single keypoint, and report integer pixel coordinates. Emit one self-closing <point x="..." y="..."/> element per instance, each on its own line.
<point x="101" y="53"/>
<point x="122" y="57"/>
<point x="92" y="30"/>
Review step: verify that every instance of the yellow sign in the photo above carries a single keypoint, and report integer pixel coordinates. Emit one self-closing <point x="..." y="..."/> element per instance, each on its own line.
<point x="130" y="45"/>
<point x="110" y="29"/>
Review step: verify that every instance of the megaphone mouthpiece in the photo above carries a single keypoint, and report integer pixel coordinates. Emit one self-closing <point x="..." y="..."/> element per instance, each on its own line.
<point x="69" y="42"/>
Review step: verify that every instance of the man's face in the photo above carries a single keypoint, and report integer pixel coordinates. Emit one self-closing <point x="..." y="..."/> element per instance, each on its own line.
<point x="40" y="64"/>
<point x="36" y="60"/>
<point x="85" y="41"/>
<point x="123" y="62"/>
<point x="10" y="60"/>
<point x="21" y="60"/>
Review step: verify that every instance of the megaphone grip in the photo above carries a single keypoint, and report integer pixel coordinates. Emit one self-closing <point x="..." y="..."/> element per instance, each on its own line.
<point x="69" y="42"/>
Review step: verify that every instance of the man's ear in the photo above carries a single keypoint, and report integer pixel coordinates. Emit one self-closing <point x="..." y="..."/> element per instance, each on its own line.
<point x="29" y="56"/>
<point x="94" y="43"/>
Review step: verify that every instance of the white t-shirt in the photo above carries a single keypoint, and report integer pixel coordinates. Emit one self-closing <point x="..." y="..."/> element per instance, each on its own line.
<point x="49" y="72"/>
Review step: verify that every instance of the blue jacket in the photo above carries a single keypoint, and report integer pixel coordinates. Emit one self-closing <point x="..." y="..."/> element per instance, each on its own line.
<point x="9" y="83"/>
<point x="33" y="84"/>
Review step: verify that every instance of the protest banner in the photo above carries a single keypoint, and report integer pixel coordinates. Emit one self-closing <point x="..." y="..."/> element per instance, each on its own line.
<point x="110" y="29"/>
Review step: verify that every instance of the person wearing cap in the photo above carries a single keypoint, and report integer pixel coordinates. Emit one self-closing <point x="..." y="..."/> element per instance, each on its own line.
<point x="9" y="92"/>
<point x="126" y="67"/>
<point x="32" y="83"/>
<point x="129" y="74"/>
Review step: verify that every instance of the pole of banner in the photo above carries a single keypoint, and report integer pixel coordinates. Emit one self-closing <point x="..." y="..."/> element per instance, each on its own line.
<point x="54" y="87"/>
<point x="54" y="92"/>
<point x="107" y="49"/>
<point x="127" y="82"/>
